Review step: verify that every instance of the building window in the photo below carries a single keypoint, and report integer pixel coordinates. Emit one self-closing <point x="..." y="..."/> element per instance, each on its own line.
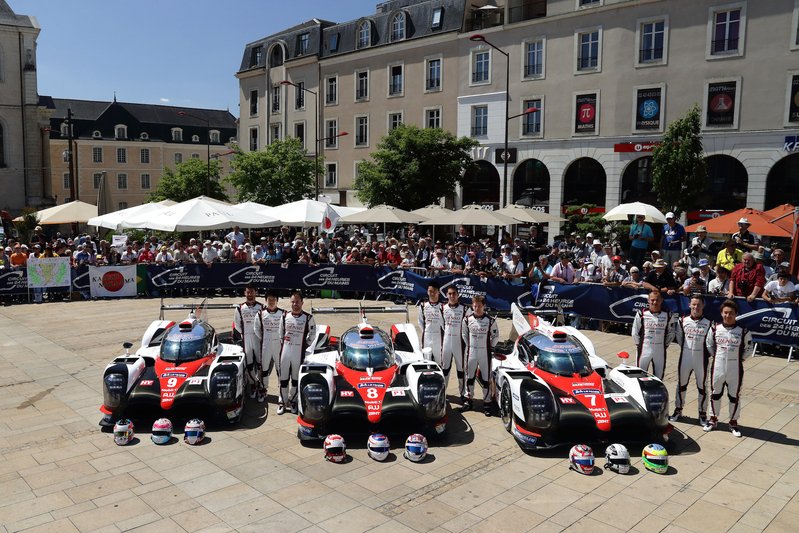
<point x="253" y="102"/>
<point x="2" y="146"/>
<point x="398" y="27"/>
<point x="97" y="135"/>
<point x="480" y="74"/>
<point x="177" y="134"/>
<point x="276" y="56"/>
<point x="363" y="34"/>
<point x="302" y="44"/>
<point x="214" y="136"/>
<point x="122" y="132"/>
<point x="589" y="51"/>
<point x="144" y="136"/>
<point x="331" y="131"/>
<point x="394" y="120"/>
<point x="480" y="121"/>
<point x="299" y="95"/>
<point x="65" y="183"/>
<point x="331" y="176"/>
<point x="195" y="138"/>
<point x="178" y="158"/>
<point x="144" y="156"/>
<point x="145" y="182"/>
<point x="726" y="25"/>
<point x="123" y="205"/>
<point x="433" y="82"/>
<point x="97" y="178"/>
<point x="97" y="154"/>
<point x="334" y="42"/>
<point x="589" y="3"/>
<point x="299" y="133"/>
<point x="652" y="42"/>
<point x="395" y="80"/>
<point x="436" y="23"/>
<point x="195" y="156"/>
<point x="362" y="131"/>
<point x="531" y="125"/>
<point x="276" y="99"/>
<point x="332" y="90"/>
<point x="433" y="118"/>
<point x="275" y="129"/>
<point x="534" y="59"/>
<point x="65" y="156"/>
<point x="122" y="155"/>
<point x="122" y="182"/>
<point x="253" y="139"/>
<point x="362" y="87"/>
<point x="256" y="56"/>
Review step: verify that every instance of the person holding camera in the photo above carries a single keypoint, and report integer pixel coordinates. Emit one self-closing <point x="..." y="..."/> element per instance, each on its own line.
<point x="747" y="279"/>
<point x="720" y="285"/>
<point x="700" y="245"/>
<point x="694" y="284"/>
<point x="640" y="235"/>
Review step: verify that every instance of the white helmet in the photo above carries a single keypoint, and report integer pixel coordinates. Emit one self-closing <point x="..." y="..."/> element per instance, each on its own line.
<point x="617" y="458"/>
<point x="162" y="431"/>
<point x="581" y="459"/>
<point x="416" y="448"/>
<point x="194" y="432"/>
<point x="377" y="447"/>
<point x="123" y="432"/>
<point x="335" y="449"/>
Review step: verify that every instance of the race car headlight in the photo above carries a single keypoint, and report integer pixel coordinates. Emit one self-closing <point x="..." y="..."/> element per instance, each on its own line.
<point x="114" y="389"/>
<point x="223" y="388"/>
<point x="315" y="399"/>
<point x="540" y="409"/>
<point x="432" y="399"/>
<point x="657" y="401"/>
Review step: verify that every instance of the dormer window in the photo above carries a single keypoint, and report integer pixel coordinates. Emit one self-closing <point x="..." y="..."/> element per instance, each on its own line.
<point x="214" y="136"/>
<point x="334" y="42"/>
<point x="97" y="135"/>
<point x="437" y="17"/>
<point x="398" y="27"/>
<point x="177" y="134"/>
<point x="364" y="34"/>
<point x="121" y="131"/>
<point x="64" y="129"/>
<point x="302" y="44"/>
<point x="144" y="136"/>
<point x="195" y="138"/>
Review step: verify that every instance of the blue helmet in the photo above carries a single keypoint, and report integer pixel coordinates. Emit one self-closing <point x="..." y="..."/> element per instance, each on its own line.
<point x="416" y="448"/>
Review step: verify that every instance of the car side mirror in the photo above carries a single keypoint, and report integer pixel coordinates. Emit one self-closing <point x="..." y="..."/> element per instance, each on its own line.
<point x="427" y="354"/>
<point x="127" y="345"/>
<point x="500" y="356"/>
<point x="623" y="355"/>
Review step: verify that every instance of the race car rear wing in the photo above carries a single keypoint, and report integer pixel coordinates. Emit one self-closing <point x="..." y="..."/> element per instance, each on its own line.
<point x="362" y="310"/>
<point x="200" y="310"/>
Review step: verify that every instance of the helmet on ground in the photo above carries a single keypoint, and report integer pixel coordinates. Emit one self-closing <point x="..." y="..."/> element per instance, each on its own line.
<point x="162" y="431"/>
<point x="194" y="432"/>
<point x="377" y="447"/>
<point x="617" y="458"/>
<point x="123" y="432"/>
<point x="656" y="458"/>
<point x="581" y="459"/>
<point x="416" y="448"/>
<point x="335" y="449"/>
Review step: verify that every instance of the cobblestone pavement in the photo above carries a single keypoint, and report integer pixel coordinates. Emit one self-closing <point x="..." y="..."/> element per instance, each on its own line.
<point x="59" y="472"/>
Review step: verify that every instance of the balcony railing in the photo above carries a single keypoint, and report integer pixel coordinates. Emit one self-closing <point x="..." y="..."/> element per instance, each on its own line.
<point x="299" y="103"/>
<point x="433" y="83"/>
<point x="275" y="107"/>
<point x="529" y="11"/>
<point x="361" y="140"/>
<point x="331" y="98"/>
<point x="648" y="55"/>
<point x="395" y="88"/>
<point x="587" y="63"/>
<point x="484" y="21"/>
<point x="531" y="128"/>
<point x="531" y="71"/>
<point x="479" y="131"/>
<point x="724" y="45"/>
<point x="362" y="94"/>
<point x="480" y="76"/>
<point x="331" y="143"/>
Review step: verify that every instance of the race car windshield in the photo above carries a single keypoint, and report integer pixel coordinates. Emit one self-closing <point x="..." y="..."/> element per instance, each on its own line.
<point x="362" y="353"/>
<point x="178" y="350"/>
<point x="563" y="363"/>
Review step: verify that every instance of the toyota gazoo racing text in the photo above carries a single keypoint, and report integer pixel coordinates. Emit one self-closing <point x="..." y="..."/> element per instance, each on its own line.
<point x="553" y="389"/>
<point x="369" y="379"/>
<point x="180" y="371"/>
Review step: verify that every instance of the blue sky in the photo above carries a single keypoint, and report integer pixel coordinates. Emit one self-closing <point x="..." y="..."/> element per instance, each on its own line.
<point x="173" y="52"/>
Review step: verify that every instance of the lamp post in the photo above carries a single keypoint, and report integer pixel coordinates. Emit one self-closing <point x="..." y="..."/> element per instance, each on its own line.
<point x="208" y="144"/>
<point x="316" y="133"/>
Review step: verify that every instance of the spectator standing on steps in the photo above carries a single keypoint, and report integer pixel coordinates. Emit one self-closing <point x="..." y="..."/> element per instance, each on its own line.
<point x="640" y="236"/>
<point x="745" y="240"/>
<point x="672" y="238"/>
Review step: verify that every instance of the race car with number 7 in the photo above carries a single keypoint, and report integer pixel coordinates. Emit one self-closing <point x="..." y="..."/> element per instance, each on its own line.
<point x="552" y="389"/>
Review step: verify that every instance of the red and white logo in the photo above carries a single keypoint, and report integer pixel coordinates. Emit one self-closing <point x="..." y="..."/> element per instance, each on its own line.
<point x="619" y="399"/>
<point x="113" y="281"/>
<point x="347" y="394"/>
<point x="398" y="393"/>
<point x="146" y="382"/>
<point x="567" y="400"/>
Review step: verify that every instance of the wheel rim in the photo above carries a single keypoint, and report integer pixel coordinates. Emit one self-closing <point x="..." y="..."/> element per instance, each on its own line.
<point x="505" y="407"/>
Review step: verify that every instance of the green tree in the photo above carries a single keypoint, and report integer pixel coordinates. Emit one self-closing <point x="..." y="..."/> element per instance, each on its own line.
<point x="30" y="219"/>
<point x="414" y="167"/>
<point x="679" y="168"/>
<point x="189" y="180"/>
<point x="279" y="174"/>
<point x="594" y="223"/>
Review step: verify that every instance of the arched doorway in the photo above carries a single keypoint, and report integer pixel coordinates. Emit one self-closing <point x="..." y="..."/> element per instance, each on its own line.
<point x="481" y="186"/>
<point x="727" y="184"/>
<point x="782" y="183"/>
<point x="584" y="183"/>
<point x="636" y="182"/>
<point x="531" y="183"/>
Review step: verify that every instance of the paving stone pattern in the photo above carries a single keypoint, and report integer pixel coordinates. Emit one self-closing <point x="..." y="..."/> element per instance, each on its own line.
<point x="60" y="473"/>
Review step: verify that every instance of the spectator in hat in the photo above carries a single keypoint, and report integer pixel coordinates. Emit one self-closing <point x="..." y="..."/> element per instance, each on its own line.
<point x="706" y="274"/>
<point x="209" y="254"/>
<point x="439" y="264"/>
<point x="640" y="237"/>
<point x="700" y="245"/>
<point x="563" y="272"/>
<point x="606" y="261"/>
<point x="5" y="257"/>
<point x="515" y="269"/>
<point x="18" y="258"/>
<point x="729" y="256"/>
<point x="393" y="258"/>
<point x="616" y="274"/>
<point x="289" y="254"/>
<point x="745" y="240"/>
<point x="633" y="281"/>
<point x="589" y="242"/>
<point x="694" y="284"/>
<point x="661" y="279"/>
<point x="596" y="253"/>
<point x="671" y="239"/>
<point x="579" y="250"/>
<point x="747" y="279"/>
<point x="38" y="237"/>
<point x="163" y="257"/>
<point x="457" y="265"/>
<point x="760" y="259"/>
<point x="781" y="290"/>
<point x="721" y="284"/>
<point x="536" y="245"/>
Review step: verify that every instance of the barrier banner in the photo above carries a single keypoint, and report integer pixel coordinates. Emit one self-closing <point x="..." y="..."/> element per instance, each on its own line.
<point x="48" y="272"/>
<point x="112" y="281"/>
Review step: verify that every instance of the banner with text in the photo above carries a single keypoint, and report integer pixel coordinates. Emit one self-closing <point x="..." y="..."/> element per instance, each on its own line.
<point x="112" y="281"/>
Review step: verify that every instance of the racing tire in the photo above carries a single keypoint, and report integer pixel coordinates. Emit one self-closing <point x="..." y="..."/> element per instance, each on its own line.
<point x="506" y="407"/>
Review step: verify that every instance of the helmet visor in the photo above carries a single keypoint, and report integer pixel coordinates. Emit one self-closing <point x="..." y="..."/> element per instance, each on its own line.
<point x="658" y="461"/>
<point x="193" y="433"/>
<point x="416" y="448"/>
<point x="162" y="433"/>
<point x="122" y="433"/>
<point x="335" y="450"/>
<point x="379" y="449"/>
<point x="623" y="461"/>
<point x="584" y="462"/>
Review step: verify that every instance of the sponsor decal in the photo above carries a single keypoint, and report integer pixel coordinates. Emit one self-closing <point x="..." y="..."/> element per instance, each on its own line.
<point x="396" y="281"/>
<point x="146" y="382"/>
<point x="619" y="399"/>
<point x="721" y="104"/>
<point x="250" y="274"/>
<point x="646" y="379"/>
<point x="585" y="113"/>
<point x="551" y="300"/>
<point x="325" y="277"/>
<point x="793" y="108"/>
<point x="195" y="381"/>
<point x="516" y="397"/>
<point x="635" y="147"/>
<point x="305" y="430"/>
<point x="175" y="276"/>
<point x="648" y="109"/>
<point x="528" y="439"/>
<point x="567" y="400"/>
<point x="586" y="391"/>
<point x="398" y="393"/>
<point x="347" y="394"/>
<point x="465" y="288"/>
<point x="368" y="385"/>
<point x="600" y="414"/>
<point x="173" y="375"/>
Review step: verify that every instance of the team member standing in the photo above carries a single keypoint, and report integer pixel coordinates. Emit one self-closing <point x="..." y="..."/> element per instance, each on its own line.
<point x="730" y="345"/>
<point x="453" y="313"/>
<point x="690" y="335"/>
<point x="431" y="322"/>
<point x="480" y="335"/>
<point x="298" y="331"/>
<point x="244" y="318"/>
<point x="652" y="332"/>
<point x="267" y="329"/>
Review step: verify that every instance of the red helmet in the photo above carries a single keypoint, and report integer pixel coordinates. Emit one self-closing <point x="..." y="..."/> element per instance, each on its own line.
<point x="335" y="449"/>
<point x="581" y="459"/>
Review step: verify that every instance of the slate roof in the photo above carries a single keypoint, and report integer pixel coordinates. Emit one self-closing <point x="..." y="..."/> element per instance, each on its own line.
<point x="9" y="18"/>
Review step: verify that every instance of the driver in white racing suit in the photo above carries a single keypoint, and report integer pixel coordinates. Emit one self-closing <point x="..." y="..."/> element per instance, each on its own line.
<point x="652" y="332"/>
<point x="298" y="330"/>
<point x="690" y="335"/>
<point x="431" y="322"/>
<point x="452" y="349"/>
<point x="480" y="335"/>
<point x="244" y="318"/>
<point x="730" y="345"/>
<point x="267" y="329"/>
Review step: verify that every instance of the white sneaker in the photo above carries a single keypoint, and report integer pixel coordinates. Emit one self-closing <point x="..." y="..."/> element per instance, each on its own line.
<point x="294" y="408"/>
<point x="253" y="391"/>
<point x="261" y="395"/>
<point x="735" y="431"/>
<point x="709" y="427"/>
<point x="281" y="408"/>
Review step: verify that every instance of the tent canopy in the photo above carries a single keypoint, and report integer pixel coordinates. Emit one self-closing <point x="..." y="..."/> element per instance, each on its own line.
<point x="196" y="215"/>
<point x="306" y="212"/>
<point x="113" y="220"/>
<point x="76" y="211"/>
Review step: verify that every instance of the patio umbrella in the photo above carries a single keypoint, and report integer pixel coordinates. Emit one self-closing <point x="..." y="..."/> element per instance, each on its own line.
<point x="782" y="216"/>
<point x="528" y="215"/>
<point x="199" y="214"/>
<point x="472" y="215"/>
<point x="305" y="212"/>
<point x="250" y="206"/>
<point x="432" y="211"/>
<point x="113" y="220"/>
<point x="386" y="214"/>
<point x="760" y="224"/>
<point x="623" y="211"/>
<point x="76" y="211"/>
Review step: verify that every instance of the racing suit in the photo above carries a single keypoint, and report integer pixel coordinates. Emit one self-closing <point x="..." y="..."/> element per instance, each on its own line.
<point x="244" y="318"/>
<point x="453" y="347"/>
<point x="690" y="335"/>
<point x="267" y="329"/>
<point x="652" y="334"/>
<point x="297" y="332"/>
<point x="431" y="322"/>
<point x="480" y="335"/>
<point x="730" y="347"/>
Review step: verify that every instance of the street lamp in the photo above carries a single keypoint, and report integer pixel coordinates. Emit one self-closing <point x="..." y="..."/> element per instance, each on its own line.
<point x="316" y="133"/>
<point x="208" y="144"/>
<point x="478" y="37"/>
